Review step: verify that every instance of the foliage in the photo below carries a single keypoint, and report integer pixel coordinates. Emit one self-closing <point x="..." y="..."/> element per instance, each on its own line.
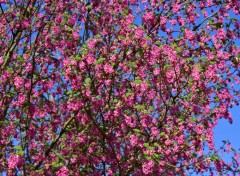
<point x="116" y="87"/>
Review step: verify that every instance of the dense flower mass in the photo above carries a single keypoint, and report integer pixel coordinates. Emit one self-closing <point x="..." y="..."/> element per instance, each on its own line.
<point x="117" y="87"/>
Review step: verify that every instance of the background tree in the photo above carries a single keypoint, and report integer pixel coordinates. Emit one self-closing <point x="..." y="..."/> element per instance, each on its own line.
<point x="116" y="87"/>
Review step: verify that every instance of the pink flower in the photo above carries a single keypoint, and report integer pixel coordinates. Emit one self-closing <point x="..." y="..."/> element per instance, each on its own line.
<point x="130" y="121"/>
<point x="221" y="34"/>
<point x="176" y="8"/>
<point x="110" y="172"/>
<point x="154" y="131"/>
<point x="189" y="34"/>
<point x="180" y="20"/>
<point x="143" y="86"/>
<point x="167" y="142"/>
<point x="21" y="98"/>
<point x="195" y="74"/>
<point x="13" y="161"/>
<point x="18" y="82"/>
<point x="40" y="15"/>
<point x="148" y="17"/>
<point x="108" y="68"/>
<point x="151" y="95"/>
<point x="139" y="33"/>
<point x="228" y="147"/>
<point x="58" y="20"/>
<point x="72" y="21"/>
<point x="63" y="171"/>
<point x="156" y="71"/>
<point x="90" y="58"/>
<point x="163" y="20"/>
<point x="56" y="30"/>
<point x="180" y="140"/>
<point x="25" y="24"/>
<point x="199" y="129"/>
<point x="133" y="140"/>
<point x="1" y="60"/>
<point x="75" y="35"/>
<point x="129" y="20"/>
<point x="92" y="43"/>
<point x="147" y="167"/>
<point x="170" y="75"/>
<point x="155" y="52"/>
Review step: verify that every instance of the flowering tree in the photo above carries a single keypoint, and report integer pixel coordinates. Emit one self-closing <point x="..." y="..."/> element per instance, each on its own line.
<point x="116" y="87"/>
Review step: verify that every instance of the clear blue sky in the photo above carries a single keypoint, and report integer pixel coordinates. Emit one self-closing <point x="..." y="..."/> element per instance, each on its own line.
<point x="226" y="131"/>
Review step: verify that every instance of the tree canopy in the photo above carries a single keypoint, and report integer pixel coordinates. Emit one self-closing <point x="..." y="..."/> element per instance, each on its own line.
<point x="117" y="87"/>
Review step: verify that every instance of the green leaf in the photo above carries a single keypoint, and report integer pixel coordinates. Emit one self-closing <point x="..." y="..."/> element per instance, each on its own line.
<point x="138" y="81"/>
<point x="59" y="155"/>
<point x="146" y="145"/>
<point x="87" y="80"/>
<point x="147" y="157"/>
<point x="17" y="147"/>
<point x="100" y="60"/>
<point x="115" y="100"/>
<point x="97" y="36"/>
<point x="19" y="150"/>
<point x="131" y="64"/>
<point x="88" y="6"/>
<point x="214" y="157"/>
<point x="56" y="164"/>
<point x="150" y="108"/>
<point x="136" y="130"/>
<point x="162" y="134"/>
<point x="155" y="156"/>
<point x="189" y="59"/>
<point x="139" y="107"/>
<point x="69" y="29"/>
<point x="148" y="38"/>
<point x="78" y="58"/>
<point x="69" y="92"/>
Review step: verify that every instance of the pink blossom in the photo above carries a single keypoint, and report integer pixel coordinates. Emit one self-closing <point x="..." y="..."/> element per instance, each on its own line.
<point x="156" y="71"/>
<point x="108" y="68"/>
<point x="72" y="21"/>
<point x="176" y="8"/>
<point x="63" y="171"/>
<point x="170" y="75"/>
<point x="180" y="21"/>
<point x="90" y="58"/>
<point x="130" y="121"/>
<point x="25" y="24"/>
<point x="75" y="35"/>
<point x="147" y="167"/>
<point x="199" y="129"/>
<point x="18" y="82"/>
<point x="133" y="140"/>
<point x="221" y="34"/>
<point x="13" y="161"/>
<point x="1" y="60"/>
<point x="139" y="33"/>
<point x="196" y="74"/>
<point x="92" y="43"/>
<point x="154" y="131"/>
<point x="58" y="19"/>
<point x="148" y="17"/>
<point x="189" y="34"/>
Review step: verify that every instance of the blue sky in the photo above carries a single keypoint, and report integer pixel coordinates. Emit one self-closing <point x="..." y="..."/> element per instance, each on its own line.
<point x="226" y="131"/>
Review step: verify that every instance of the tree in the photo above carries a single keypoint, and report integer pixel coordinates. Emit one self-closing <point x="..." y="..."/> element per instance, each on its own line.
<point x="116" y="87"/>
